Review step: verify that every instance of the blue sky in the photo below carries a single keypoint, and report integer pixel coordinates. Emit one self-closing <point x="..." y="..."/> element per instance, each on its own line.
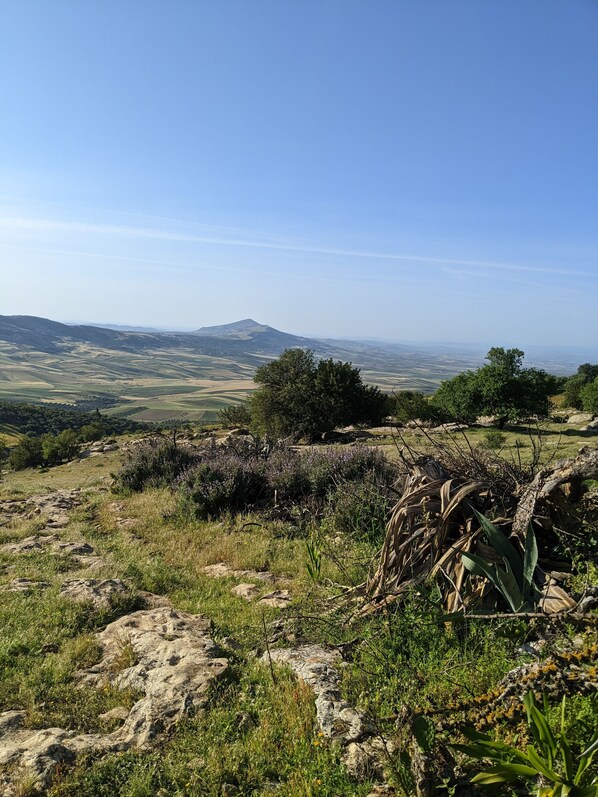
<point x="402" y="170"/>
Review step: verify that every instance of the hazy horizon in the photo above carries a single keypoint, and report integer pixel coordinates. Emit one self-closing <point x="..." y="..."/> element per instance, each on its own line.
<point x="395" y="171"/>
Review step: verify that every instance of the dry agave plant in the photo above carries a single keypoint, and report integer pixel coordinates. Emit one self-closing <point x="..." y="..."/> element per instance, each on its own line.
<point x="439" y="518"/>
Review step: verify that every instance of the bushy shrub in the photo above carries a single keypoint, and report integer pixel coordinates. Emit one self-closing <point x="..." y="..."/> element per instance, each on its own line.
<point x="494" y="439"/>
<point x="234" y="415"/>
<point x="247" y="475"/>
<point x="287" y="477"/>
<point x="226" y="484"/>
<point x="154" y="463"/>
<point x="26" y="454"/>
<point x="325" y="469"/>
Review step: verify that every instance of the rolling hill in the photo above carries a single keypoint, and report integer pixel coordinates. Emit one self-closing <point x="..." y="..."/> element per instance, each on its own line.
<point x="158" y="375"/>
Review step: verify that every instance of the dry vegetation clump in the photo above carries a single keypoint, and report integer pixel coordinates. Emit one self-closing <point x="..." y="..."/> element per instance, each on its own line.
<point x="435" y="530"/>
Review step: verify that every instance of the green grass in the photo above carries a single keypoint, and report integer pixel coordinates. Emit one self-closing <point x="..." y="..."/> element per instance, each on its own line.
<point x="257" y="733"/>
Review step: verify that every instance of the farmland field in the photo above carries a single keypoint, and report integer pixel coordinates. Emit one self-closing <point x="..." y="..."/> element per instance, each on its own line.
<point x="176" y="383"/>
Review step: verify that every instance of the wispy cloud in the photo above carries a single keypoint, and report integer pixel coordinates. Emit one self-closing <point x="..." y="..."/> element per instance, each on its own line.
<point x="38" y="225"/>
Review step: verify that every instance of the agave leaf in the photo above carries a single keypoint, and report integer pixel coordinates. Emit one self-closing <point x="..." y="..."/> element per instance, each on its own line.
<point x="541" y="765"/>
<point x="540" y="727"/>
<point x="530" y="560"/>
<point x="495" y="751"/>
<point x="475" y="736"/>
<point x="591" y="749"/>
<point x="503" y="773"/>
<point x="502" y="545"/>
<point x="567" y="758"/>
<point x="585" y="760"/>
<point x="478" y="567"/>
<point x="588" y="791"/>
<point x="509" y="588"/>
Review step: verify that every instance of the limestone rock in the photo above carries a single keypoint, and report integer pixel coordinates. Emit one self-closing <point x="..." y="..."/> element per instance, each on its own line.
<point x="222" y="570"/>
<point x="487" y="420"/>
<point x="246" y="591"/>
<point x="318" y="667"/>
<point x="173" y="663"/>
<point x="279" y="599"/>
<point x="92" y="590"/>
<point x="11" y="721"/>
<point x="590" y="427"/>
<point x="39" y="543"/>
<point x="73" y="548"/>
<point x="118" y="713"/>
<point x="581" y="417"/>
<point x="34" y="544"/>
<point x="24" y="585"/>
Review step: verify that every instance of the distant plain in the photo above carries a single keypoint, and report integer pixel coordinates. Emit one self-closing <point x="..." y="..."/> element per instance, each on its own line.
<point x="168" y="376"/>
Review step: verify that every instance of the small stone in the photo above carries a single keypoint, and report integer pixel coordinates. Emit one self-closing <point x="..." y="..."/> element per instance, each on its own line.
<point x="244" y="721"/>
<point x="279" y="599"/>
<point x="246" y="591"/>
<point x="74" y="548"/>
<point x="11" y="721"/>
<point x="118" y="713"/>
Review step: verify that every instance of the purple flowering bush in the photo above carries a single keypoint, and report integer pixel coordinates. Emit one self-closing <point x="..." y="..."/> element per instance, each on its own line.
<point x="154" y="463"/>
<point x="249" y="475"/>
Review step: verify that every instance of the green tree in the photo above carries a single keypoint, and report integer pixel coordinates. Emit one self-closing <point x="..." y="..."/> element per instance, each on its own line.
<point x="91" y="432"/>
<point x="302" y="397"/>
<point x="574" y="386"/>
<point x="503" y="388"/>
<point x="235" y="415"/>
<point x="60" y="447"/>
<point x="26" y="454"/>
<point x="589" y="397"/>
<point x="411" y="405"/>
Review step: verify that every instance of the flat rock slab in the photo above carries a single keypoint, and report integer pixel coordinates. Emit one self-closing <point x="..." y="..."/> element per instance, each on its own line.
<point x="581" y="417"/>
<point x="174" y="661"/>
<point x="101" y="594"/>
<point x="222" y="570"/>
<point x="55" y="506"/>
<point x="319" y="668"/>
<point x="279" y="599"/>
<point x="248" y="592"/>
<point x="364" y="753"/>
<point x="23" y="585"/>
<point x="34" y="544"/>
<point x="38" y="543"/>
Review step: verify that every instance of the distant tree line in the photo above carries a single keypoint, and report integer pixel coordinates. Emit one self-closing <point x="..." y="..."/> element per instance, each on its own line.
<point x="51" y="435"/>
<point x="35" y="419"/>
<point x="298" y="395"/>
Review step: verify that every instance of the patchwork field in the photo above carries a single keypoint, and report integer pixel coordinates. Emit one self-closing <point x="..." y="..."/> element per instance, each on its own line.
<point x="155" y="385"/>
<point x="166" y="384"/>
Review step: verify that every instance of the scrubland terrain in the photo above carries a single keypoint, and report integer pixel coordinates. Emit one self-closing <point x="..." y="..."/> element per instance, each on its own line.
<point x="112" y="683"/>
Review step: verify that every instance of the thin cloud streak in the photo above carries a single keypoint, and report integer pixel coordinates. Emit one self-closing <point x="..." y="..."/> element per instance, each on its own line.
<point x="51" y="225"/>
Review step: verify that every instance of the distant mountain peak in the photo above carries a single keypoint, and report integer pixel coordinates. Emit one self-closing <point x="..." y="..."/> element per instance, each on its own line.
<point x="236" y="327"/>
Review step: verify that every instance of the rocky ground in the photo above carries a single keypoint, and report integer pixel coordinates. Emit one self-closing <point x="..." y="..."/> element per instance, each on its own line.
<point x="145" y="655"/>
<point x="165" y="657"/>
